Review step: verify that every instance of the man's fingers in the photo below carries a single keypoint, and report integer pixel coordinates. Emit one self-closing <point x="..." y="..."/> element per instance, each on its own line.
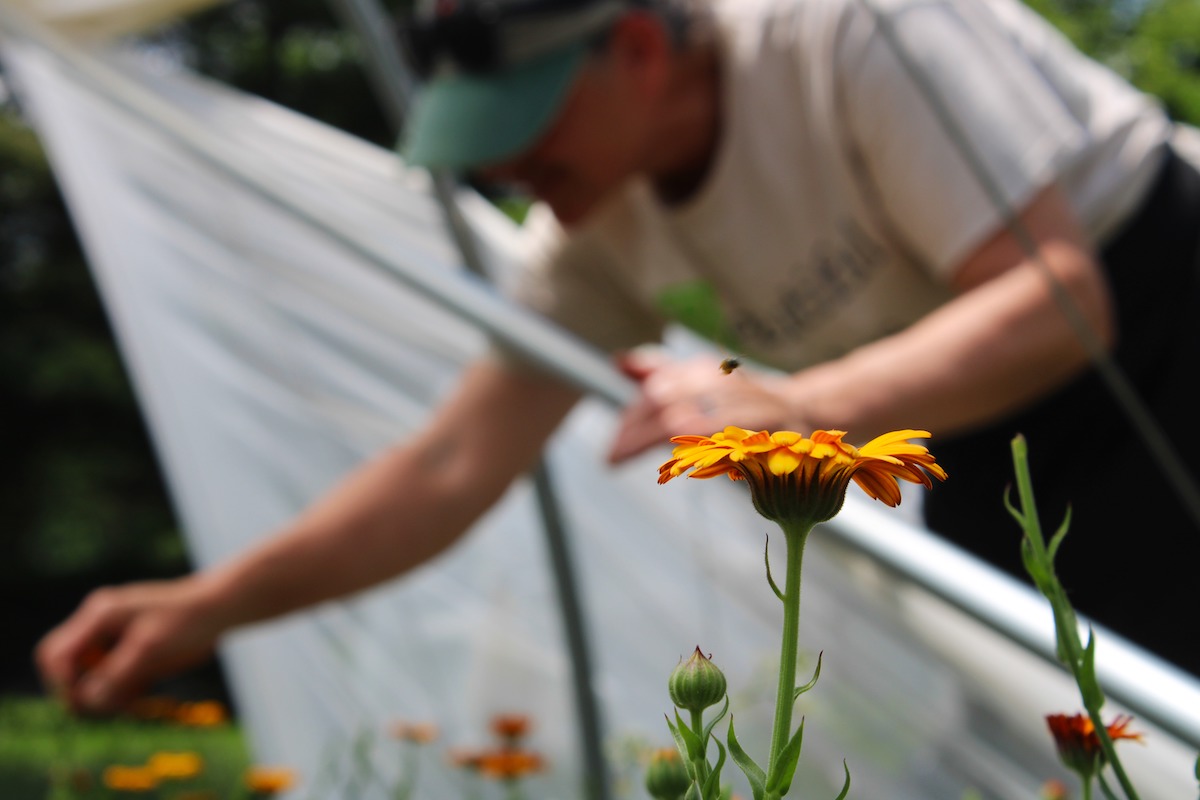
<point x="639" y="364"/>
<point x="116" y="679"/>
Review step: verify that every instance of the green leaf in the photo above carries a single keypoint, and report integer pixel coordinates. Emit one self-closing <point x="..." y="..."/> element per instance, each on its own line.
<point x="846" y="785"/>
<point x="752" y="771"/>
<point x="693" y="792"/>
<point x="712" y="786"/>
<point x="816" y="674"/>
<point x="767" y="561"/>
<point x="712" y="723"/>
<point x="1089" y="686"/>
<point x="1017" y="515"/>
<point x="780" y="780"/>
<point x="1059" y="535"/>
<point x="681" y="744"/>
<point x="693" y="745"/>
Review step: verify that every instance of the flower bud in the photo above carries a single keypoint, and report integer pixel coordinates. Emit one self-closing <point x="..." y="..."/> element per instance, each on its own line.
<point x="666" y="776"/>
<point x="696" y="683"/>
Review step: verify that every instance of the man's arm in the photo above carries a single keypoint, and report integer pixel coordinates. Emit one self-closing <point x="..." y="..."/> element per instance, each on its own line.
<point x="397" y="511"/>
<point x="1002" y="342"/>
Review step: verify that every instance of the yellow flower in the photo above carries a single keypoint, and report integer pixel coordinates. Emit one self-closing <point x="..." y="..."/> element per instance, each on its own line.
<point x="1079" y="745"/>
<point x="130" y="779"/>
<point x="804" y="480"/>
<point x="179" y="766"/>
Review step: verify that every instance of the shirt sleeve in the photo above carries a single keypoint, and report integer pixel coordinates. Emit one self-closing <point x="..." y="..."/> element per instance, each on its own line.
<point x="947" y="169"/>
<point x="574" y="280"/>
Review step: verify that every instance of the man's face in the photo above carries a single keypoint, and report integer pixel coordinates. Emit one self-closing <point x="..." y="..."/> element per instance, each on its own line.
<point x="593" y="146"/>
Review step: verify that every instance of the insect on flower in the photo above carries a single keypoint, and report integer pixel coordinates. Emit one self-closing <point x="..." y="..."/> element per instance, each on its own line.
<point x="728" y="365"/>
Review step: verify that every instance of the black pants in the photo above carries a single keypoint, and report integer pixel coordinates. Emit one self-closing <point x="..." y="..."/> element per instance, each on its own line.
<point x="1132" y="558"/>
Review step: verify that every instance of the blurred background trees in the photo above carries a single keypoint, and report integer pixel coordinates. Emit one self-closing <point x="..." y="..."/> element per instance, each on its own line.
<point x="81" y="498"/>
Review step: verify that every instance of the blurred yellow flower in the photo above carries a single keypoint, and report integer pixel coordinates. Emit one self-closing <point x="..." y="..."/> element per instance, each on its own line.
<point x="130" y="779"/>
<point x="178" y="766"/>
<point x="797" y="479"/>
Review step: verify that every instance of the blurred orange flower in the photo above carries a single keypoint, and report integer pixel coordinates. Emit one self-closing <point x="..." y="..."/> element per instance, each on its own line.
<point x="269" y="780"/>
<point x="1079" y="745"/>
<point x="130" y="779"/>
<point x="511" y="726"/>
<point x="202" y="714"/>
<point x="510" y="764"/>
<point x="178" y="766"/>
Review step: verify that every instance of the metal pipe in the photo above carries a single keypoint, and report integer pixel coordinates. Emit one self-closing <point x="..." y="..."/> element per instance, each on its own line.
<point x="395" y="89"/>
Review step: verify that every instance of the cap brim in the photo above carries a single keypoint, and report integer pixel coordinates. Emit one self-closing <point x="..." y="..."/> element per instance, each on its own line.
<point x="469" y="120"/>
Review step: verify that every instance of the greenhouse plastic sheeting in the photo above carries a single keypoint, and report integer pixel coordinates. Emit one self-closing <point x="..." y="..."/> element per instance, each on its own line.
<point x="269" y="359"/>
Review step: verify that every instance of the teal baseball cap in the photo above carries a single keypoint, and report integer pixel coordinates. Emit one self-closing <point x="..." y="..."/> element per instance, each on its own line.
<point x="495" y="73"/>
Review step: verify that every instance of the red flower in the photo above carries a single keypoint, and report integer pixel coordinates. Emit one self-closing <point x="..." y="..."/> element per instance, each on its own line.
<point x="1079" y="745"/>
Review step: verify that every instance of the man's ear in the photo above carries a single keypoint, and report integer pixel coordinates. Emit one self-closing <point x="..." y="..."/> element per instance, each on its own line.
<point x="641" y="48"/>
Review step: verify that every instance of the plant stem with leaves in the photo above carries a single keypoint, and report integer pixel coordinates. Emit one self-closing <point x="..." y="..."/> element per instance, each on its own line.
<point x="1080" y="660"/>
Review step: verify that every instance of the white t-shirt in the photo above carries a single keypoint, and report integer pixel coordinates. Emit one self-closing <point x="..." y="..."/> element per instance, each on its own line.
<point x="838" y="204"/>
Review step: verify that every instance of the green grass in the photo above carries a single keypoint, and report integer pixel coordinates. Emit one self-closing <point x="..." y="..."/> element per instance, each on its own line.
<point x="46" y="754"/>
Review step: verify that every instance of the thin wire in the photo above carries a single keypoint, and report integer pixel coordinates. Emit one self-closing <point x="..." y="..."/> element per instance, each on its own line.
<point x="1161" y="449"/>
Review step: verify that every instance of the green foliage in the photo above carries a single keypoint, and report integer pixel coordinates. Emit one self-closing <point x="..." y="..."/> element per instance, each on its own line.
<point x="79" y="489"/>
<point x="45" y="754"/>
<point x="1155" y="44"/>
<point x="296" y="54"/>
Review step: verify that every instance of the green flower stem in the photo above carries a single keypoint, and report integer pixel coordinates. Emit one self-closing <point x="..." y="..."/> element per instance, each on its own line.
<point x="796" y="534"/>
<point x="701" y="761"/>
<point x="1065" y="623"/>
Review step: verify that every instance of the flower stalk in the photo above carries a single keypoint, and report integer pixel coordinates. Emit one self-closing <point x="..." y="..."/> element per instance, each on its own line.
<point x="796" y="535"/>
<point x="797" y="482"/>
<point x="1079" y="659"/>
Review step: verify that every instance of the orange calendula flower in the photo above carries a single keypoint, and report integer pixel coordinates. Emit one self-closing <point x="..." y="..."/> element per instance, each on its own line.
<point x="269" y="780"/>
<point x="1079" y="745"/>
<point x="176" y="766"/>
<point x="510" y="726"/>
<point x="130" y="779"/>
<point x="803" y="480"/>
<point x="510" y="764"/>
<point x="203" y="714"/>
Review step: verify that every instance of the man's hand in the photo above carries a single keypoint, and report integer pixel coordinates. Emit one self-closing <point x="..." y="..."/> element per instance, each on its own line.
<point x="121" y="639"/>
<point x="695" y="396"/>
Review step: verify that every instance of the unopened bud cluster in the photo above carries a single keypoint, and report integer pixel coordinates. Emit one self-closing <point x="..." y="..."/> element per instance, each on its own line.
<point x="666" y="776"/>
<point x="696" y="683"/>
